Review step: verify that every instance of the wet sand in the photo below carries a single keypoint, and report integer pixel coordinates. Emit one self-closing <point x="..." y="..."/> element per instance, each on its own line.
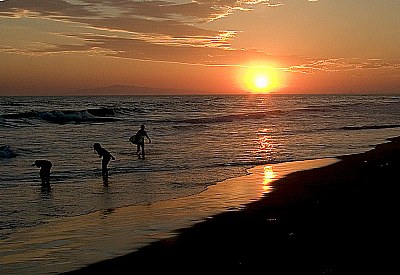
<point x="338" y="219"/>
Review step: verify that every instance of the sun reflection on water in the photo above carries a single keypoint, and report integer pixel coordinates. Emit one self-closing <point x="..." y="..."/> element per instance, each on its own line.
<point x="269" y="175"/>
<point x="264" y="140"/>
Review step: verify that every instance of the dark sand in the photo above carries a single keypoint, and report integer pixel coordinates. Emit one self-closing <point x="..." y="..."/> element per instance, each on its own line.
<point x="338" y="219"/>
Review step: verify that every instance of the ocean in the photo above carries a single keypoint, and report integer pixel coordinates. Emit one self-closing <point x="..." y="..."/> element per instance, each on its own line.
<point x="198" y="143"/>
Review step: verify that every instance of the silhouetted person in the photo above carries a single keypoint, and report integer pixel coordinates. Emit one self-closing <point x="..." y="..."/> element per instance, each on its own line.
<point x="45" y="167"/>
<point x="139" y="140"/>
<point x="106" y="159"/>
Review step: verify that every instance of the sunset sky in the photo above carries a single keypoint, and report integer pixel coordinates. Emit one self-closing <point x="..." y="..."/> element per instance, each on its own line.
<point x="74" y="47"/>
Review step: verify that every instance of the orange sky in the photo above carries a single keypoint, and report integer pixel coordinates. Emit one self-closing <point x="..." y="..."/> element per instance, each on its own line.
<point x="65" y="47"/>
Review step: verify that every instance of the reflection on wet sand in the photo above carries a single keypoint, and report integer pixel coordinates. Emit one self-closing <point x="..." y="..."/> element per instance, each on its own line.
<point x="269" y="175"/>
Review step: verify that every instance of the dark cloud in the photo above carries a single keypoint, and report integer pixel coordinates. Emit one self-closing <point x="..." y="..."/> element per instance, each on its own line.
<point x="45" y="8"/>
<point x="148" y="30"/>
<point x="198" y="11"/>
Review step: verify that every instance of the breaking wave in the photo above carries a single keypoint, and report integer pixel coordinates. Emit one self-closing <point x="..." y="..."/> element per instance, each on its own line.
<point x="66" y="116"/>
<point x="371" y="127"/>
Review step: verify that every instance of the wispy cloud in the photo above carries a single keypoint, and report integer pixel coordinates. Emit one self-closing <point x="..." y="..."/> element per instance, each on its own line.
<point x="159" y="31"/>
<point x="343" y="64"/>
<point x="128" y="28"/>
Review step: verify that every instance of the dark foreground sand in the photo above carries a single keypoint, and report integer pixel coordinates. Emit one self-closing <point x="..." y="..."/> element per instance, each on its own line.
<point x="339" y="219"/>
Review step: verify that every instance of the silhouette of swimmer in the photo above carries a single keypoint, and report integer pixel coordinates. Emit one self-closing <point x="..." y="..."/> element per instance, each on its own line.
<point x="106" y="159"/>
<point x="45" y="167"/>
<point x="139" y="140"/>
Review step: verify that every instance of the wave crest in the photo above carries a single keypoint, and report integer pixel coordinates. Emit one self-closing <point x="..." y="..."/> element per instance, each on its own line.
<point x="371" y="127"/>
<point x="67" y="116"/>
<point x="234" y="117"/>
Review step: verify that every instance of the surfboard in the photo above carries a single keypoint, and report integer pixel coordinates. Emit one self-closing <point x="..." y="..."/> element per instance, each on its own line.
<point x="133" y="139"/>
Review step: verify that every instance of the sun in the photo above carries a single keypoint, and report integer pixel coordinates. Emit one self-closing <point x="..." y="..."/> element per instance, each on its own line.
<point x="259" y="78"/>
<point x="261" y="81"/>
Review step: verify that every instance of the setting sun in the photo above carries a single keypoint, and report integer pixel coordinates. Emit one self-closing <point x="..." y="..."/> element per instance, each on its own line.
<point x="259" y="79"/>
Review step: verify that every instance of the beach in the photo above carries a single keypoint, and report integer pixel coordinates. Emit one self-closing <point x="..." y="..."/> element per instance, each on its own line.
<point x="337" y="219"/>
<point x="199" y="136"/>
<point x="234" y="156"/>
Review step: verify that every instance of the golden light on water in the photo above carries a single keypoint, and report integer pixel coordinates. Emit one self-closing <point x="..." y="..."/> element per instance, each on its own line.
<point x="264" y="143"/>
<point x="269" y="175"/>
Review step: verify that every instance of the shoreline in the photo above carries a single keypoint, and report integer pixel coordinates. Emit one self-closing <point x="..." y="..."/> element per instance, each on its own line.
<point x="82" y="240"/>
<point x="337" y="219"/>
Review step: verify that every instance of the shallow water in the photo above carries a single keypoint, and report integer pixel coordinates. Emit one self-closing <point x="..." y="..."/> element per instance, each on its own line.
<point x="197" y="141"/>
<point x="67" y="244"/>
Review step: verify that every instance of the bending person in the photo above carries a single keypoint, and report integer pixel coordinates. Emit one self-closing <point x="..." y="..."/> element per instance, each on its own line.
<point x="106" y="159"/>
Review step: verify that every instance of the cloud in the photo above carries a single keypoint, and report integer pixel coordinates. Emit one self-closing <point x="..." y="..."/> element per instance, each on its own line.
<point x="43" y="8"/>
<point x="194" y="11"/>
<point x="206" y="51"/>
<point x="132" y="29"/>
<point x="342" y="64"/>
<point x="159" y="31"/>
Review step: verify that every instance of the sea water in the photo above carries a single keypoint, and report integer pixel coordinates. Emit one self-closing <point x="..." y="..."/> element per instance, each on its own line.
<point x="197" y="142"/>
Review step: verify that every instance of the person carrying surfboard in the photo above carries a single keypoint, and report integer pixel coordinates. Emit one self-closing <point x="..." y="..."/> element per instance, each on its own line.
<point x="138" y="139"/>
